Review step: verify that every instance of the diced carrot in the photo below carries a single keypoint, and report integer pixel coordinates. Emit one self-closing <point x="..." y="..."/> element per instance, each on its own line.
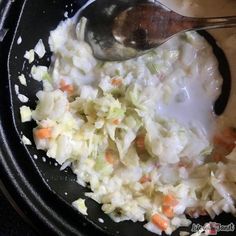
<point x="66" y="87"/>
<point x="169" y="200"/>
<point x="145" y="179"/>
<point x="140" y="142"/>
<point x="229" y="133"/>
<point x="43" y="133"/>
<point x="116" y="81"/>
<point x="224" y="142"/>
<point x="168" y="211"/>
<point x="116" y="122"/>
<point x="160" y="222"/>
<point x="221" y="141"/>
<point x="225" y="139"/>
<point x="109" y="156"/>
<point x="217" y="157"/>
<point x="217" y="140"/>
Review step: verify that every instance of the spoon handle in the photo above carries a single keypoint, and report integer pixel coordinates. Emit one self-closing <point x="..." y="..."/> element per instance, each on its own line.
<point x="213" y="23"/>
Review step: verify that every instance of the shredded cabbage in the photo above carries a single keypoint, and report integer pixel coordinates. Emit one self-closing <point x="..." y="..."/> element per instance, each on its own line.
<point x="114" y="137"/>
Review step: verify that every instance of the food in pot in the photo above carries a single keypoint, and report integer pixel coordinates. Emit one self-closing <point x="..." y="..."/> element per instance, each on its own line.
<point x="142" y="133"/>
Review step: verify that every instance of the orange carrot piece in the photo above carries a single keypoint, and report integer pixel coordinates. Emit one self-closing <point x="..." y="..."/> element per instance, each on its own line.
<point x="224" y="142"/>
<point x="160" y="222"/>
<point x="217" y="157"/>
<point x="66" y="87"/>
<point x="116" y="122"/>
<point x="230" y="134"/>
<point x="145" y="179"/>
<point x="217" y="140"/>
<point x="221" y="141"/>
<point x="43" y="133"/>
<point x="168" y="211"/>
<point x="225" y="139"/>
<point x="116" y="82"/>
<point x="140" y="142"/>
<point x="109" y="156"/>
<point x="170" y="200"/>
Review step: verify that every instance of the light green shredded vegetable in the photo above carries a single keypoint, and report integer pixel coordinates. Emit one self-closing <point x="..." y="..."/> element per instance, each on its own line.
<point x="153" y="68"/>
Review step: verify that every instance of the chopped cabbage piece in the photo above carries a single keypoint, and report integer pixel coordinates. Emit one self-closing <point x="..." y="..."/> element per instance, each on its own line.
<point x="25" y="113"/>
<point x="80" y="206"/>
<point x="40" y="48"/>
<point x="29" y="55"/>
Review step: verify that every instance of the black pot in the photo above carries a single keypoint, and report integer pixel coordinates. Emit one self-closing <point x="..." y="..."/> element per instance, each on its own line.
<point x="36" y="187"/>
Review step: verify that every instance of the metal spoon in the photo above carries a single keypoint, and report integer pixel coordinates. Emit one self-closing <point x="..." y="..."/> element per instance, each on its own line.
<point x="122" y="29"/>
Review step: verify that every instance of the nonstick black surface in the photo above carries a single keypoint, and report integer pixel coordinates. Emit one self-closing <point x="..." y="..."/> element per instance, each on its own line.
<point x="37" y="186"/>
<point x="11" y="224"/>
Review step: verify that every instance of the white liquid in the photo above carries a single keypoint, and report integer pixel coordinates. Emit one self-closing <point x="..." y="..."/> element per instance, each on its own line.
<point x="190" y="106"/>
<point x="196" y="90"/>
<point x="226" y="39"/>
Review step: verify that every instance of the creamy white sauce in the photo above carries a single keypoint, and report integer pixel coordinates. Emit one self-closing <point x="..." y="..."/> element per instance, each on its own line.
<point x="194" y="109"/>
<point x="226" y="39"/>
<point x="192" y="100"/>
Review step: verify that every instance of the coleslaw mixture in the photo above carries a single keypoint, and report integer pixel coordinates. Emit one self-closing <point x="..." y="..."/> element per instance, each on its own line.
<point x="140" y="132"/>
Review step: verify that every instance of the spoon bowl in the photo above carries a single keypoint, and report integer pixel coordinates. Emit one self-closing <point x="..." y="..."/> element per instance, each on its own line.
<point x="148" y="25"/>
<point x="118" y="30"/>
<point x="100" y="17"/>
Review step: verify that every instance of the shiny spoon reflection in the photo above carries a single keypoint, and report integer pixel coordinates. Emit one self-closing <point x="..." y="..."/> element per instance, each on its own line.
<point x="118" y="30"/>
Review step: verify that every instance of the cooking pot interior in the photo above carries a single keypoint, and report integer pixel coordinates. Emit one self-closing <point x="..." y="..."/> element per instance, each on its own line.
<point x="38" y="18"/>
